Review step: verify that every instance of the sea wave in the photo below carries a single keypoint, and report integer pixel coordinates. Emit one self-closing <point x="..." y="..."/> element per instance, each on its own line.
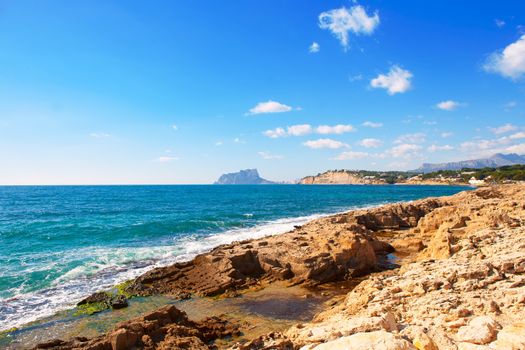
<point x="108" y="266"/>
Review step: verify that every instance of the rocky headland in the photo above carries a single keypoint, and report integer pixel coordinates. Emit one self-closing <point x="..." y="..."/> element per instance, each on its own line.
<point x="456" y="281"/>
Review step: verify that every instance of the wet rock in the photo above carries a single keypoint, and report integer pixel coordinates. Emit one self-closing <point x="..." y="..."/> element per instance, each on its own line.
<point x="118" y="302"/>
<point x="165" y="328"/>
<point x="99" y="297"/>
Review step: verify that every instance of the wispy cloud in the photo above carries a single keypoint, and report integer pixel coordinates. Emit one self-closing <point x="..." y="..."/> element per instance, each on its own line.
<point x="314" y="48"/>
<point x="509" y="106"/>
<point x="448" y="105"/>
<point x="436" y="148"/>
<point x="503" y="129"/>
<point x="517" y="136"/>
<point x="99" y="135"/>
<point x="396" y="81"/>
<point x="342" y="22"/>
<point x="371" y="143"/>
<point x="411" y="138"/>
<point x="269" y="156"/>
<point x="499" y="23"/>
<point x="325" y="143"/>
<point x="510" y="62"/>
<point x="351" y="155"/>
<point x="446" y="134"/>
<point x="306" y="129"/>
<point x="174" y="127"/>
<point x="370" y="124"/>
<point x="166" y="159"/>
<point x="269" y="107"/>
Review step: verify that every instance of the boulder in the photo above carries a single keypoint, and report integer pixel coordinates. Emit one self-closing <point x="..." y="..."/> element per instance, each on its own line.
<point x="378" y="340"/>
<point x="480" y="330"/>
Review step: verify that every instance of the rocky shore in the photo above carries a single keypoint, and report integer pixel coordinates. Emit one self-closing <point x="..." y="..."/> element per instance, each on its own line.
<point x="458" y="283"/>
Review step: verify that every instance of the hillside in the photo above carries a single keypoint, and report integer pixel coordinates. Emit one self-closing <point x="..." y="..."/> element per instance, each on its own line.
<point x="495" y="161"/>
<point x="335" y="177"/>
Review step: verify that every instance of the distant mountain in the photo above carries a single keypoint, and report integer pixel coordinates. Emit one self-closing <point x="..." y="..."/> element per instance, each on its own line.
<point x="243" y="177"/>
<point x="496" y="160"/>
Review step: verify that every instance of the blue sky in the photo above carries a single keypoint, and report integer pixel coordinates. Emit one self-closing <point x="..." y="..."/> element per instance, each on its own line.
<point x="106" y="92"/>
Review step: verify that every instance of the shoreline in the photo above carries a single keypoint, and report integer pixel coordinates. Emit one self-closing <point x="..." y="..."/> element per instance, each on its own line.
<point x="275" y="273"/>
<point x="216" y="240"/>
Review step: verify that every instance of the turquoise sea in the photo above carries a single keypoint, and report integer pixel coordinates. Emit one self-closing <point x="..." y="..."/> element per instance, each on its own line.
<point x="59" y="244"/>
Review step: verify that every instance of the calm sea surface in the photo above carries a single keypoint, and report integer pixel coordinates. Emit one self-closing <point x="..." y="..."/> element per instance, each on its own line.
<point x="59" y="244"/>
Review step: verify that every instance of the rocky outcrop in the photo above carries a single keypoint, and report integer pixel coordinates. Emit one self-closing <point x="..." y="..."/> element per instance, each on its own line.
<point x="166" y="328"/>
<point x="340" y="177"/>
<point x="319" y="252"/>
<point x="463" y="287"/>
<point x="243" y="177"/>
<point x="460" y="283"/>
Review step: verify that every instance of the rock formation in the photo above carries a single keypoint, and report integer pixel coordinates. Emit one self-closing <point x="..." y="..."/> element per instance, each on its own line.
<point x="243" y="177"/>
<point x="340" y="177"/>
<point x="163" y="329"/>
<point x="461" y="283"/>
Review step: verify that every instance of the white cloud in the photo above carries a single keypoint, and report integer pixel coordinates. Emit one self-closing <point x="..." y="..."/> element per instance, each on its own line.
<point x="269" y="107"/>
<point x="299" y="130"/>
<point x="238" y="140"/>
<point x="372" y="124"/>
<point x="484" y="148"/>
<point x="503" y="129"/>
<point x="166" y="159"/>
<point x="396" y="81"/>
<point x="314" y="48"/>
<point x="306" y="129"/>
<point x="510" y="105"/>
<point x="405" y="150"/>
<point x="436" y="148"/>
<point x="324" y="143"/>
<point x="371" y="143"/>
<point x="275" y="133"/>
<point x="175" y="127"/>
<point x="446" y="134"/>
<point x="519" y="148"/>
<point x="219" y="143"/>
<point x="336" y="129"/>
<point x="510" y="63"/>
<point x="499" y="23"/>
<point x="341" y="22"/>
<point x="356" y="77"/>
<point x="350" y="155"/>
<point x="411" y="138"/>
<point x="518" y="135"/>
<point x="448" y="105"/>
<point x="99" y="135"/>
<point x="268" y="156"/>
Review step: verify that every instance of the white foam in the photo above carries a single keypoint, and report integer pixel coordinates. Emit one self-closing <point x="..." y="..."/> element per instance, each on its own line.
<point x="110" y="266"/>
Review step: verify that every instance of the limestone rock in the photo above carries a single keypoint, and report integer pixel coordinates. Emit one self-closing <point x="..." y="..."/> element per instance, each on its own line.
<point x="480" y="330"/>
<point x="378" y="340"/>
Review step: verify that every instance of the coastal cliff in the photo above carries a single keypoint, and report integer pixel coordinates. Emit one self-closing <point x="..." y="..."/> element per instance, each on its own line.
<point x="458" y="281"/>
<point x="341" y="177"/>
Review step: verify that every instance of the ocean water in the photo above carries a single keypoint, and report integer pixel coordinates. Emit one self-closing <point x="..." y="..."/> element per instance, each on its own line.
<point x="60" y="244"/>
